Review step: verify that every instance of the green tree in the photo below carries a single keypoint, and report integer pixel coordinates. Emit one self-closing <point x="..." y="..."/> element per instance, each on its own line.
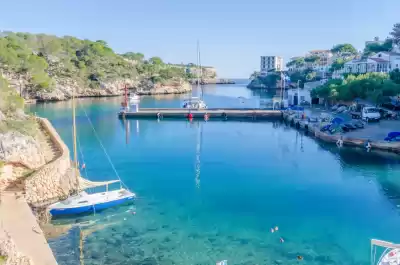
<point x="344" y="48"/>
<point x="311" y="76"/>
<point x="373" y="48"/>
<point x="312" y="59"/>
<point x="254" y="75"/>
<point x="395" y="76"/>
<point x="338" y="64"/>
<point x="155" y="61"/>
<point x="396" y="33"/>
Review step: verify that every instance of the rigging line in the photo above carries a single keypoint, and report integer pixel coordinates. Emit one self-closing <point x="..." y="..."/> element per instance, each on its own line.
<point x="104" y="149"/>
<point x="83" y="160"/>
<point x="82" y="156"/>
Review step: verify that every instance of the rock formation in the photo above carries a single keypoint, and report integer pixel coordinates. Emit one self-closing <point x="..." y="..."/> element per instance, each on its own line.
<point x="177" y="86"/>
<point x="18" y="148"/>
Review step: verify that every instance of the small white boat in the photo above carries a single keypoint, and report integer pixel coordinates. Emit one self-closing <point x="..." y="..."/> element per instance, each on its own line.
<point x="194" y="103"/>
<point x="134" y="98"/>
<point x="84" y="202"/>
<point x="390" y="255"/>
<point x="87" y="203"/>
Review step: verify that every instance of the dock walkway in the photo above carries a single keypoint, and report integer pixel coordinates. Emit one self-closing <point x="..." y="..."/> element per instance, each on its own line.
<point x="21" y="225"/>
<point x="213" y="113"/>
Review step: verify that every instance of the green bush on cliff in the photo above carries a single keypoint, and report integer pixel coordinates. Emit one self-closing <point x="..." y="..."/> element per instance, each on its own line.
<point x="10" y="103"/>
<point x="43" y="57"/>
<point x="9" y="100"/>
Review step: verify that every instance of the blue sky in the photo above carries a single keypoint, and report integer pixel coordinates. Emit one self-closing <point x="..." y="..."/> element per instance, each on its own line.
<point x="233" y="34"/>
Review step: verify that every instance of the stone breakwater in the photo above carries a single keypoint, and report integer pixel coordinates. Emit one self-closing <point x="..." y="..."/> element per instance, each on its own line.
<point x="55" y="180"/>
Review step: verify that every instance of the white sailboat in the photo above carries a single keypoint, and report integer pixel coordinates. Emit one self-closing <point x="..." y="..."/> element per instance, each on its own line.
<point x="196" y="102"/>
<point x="84" y="202"/>
<point x="390" y="254"/>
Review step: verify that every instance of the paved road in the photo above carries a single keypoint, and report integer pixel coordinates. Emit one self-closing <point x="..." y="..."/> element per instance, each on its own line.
<point x="376" y="130"/>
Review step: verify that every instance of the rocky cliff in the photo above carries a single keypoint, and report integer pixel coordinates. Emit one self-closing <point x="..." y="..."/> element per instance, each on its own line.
<point x="147" y="87"/>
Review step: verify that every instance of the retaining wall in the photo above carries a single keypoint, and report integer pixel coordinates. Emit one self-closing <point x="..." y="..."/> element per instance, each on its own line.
<point x="55" y="180"/>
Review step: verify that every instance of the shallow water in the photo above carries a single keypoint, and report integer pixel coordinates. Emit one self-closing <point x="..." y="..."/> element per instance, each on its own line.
<point x="249" y="177"/>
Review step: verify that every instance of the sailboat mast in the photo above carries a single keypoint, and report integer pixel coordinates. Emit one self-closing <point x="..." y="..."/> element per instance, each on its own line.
<point x="198" y="68"/>
<point x="75" y="163"/>
<point x="201" y="73"/>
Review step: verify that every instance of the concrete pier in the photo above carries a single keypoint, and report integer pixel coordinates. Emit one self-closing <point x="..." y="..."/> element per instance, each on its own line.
<point x="313" y="130"/>
<point x="28" y="240"/>
<point x="213" y="113"/>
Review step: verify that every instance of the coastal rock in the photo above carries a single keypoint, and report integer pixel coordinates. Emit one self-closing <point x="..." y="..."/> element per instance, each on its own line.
<point x="178" y="86"/>
<point x="19" y="148"/>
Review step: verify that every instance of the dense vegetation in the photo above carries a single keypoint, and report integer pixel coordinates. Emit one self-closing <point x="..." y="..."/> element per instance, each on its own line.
<point x="43" y="57"/>
<point x="11" y="112"/>
<point x="376" y="87"/>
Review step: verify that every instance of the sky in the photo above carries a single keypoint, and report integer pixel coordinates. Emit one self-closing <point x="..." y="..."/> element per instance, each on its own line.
<point x="232" y="34"/>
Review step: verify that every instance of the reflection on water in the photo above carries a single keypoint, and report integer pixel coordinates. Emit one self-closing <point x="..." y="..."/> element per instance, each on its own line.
<point x="328" y="202"/>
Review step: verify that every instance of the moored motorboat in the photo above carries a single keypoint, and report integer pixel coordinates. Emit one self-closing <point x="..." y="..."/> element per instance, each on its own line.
<point x="134" y="98"/>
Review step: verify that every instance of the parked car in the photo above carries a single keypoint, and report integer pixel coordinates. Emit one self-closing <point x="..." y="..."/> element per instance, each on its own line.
<point x="335" y="107"/>
<point x="341" y="109"/>
<point x="350" y="126"/>
<point x="370" y="114"/>
<point x="388" y="114"/>
<point x="358" y="123"/>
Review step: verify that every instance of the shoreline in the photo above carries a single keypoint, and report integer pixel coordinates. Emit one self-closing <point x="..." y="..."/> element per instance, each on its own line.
<point x="299" y="124"/>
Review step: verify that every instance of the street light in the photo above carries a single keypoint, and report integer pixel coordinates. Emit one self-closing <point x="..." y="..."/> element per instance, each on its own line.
<point x="298" y="92"/>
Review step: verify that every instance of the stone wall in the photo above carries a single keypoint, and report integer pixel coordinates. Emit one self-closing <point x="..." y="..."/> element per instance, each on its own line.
<point x="55" y="180"/>
<point x="9" y="250"/>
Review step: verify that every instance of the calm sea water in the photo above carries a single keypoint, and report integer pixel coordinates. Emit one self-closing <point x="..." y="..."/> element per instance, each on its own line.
<point x="213" y="191"/>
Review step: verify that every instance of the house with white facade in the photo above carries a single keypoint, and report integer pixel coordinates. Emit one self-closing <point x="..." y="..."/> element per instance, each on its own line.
<point x="381" y="62"/>
<point x="305" y="93"/>
<point x="269" y="63"/>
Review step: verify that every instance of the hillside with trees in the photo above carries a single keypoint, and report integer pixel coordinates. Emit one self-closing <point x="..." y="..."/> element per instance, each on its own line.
<point x="49" y="67"/>
<point x="374" y="87"/>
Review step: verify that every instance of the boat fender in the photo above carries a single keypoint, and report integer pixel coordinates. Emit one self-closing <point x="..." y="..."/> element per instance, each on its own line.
<point x="339" y="142"/>
<point x="159" y="115"/>
<point x="367" y="145"/>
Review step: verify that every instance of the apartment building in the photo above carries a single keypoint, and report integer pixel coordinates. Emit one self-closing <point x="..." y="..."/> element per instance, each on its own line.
<point x="269" y="63"/>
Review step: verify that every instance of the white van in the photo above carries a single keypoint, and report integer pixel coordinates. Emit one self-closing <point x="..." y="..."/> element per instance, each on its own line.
<point x="370" y="114"/>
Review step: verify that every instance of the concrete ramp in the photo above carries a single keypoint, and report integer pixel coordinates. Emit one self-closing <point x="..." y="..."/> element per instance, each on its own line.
<point x="17" y="219"/>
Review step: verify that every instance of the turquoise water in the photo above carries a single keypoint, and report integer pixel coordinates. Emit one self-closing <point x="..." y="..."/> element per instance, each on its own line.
<point x="250" y="176"/>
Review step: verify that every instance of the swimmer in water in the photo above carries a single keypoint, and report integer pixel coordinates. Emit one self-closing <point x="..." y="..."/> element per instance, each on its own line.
<point x="272" y="230"/>
<point x="281" y="239"/>
<point x="276" y="228"/>
<point x="299" y="257"/>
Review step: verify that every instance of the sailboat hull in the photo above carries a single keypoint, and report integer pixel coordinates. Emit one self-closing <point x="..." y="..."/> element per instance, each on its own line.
<point x="90" y="203"/>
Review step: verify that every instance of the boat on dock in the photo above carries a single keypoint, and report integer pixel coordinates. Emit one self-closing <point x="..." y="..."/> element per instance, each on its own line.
<point x="84" y="201"/>
<point x="134" y="98"/>
<point x="194" y="103"/>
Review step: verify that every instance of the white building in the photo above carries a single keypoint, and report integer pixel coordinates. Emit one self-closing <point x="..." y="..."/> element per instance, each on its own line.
<point x="269" y="63"/>
<point x="380" y="62"/>
<point x="305" y="93"/>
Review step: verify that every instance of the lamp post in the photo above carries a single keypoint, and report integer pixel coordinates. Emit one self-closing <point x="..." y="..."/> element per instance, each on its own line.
<point x="298" y="92"/>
